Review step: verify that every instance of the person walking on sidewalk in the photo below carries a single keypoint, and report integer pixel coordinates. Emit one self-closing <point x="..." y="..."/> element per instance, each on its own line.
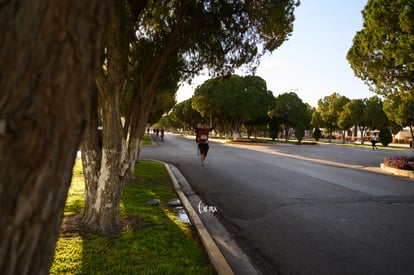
<point x="202" y="138"/>
<point x="374" y="141"/>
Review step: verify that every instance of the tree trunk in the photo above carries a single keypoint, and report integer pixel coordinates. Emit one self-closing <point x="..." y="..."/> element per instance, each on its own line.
<point x="286" y="132"/>
<point x="235" y="135"/>
<point x="91" y="147"/>
<point x="102" y="200"/>
<point x="103" y="171"/>
<point x="49" y="51"/>
<point x="139" y="118"/>
<point x="362" y="130"/>
<point x="140" y="107"/>
<point x="135" y="140"/>
<point x="110" y="183"/>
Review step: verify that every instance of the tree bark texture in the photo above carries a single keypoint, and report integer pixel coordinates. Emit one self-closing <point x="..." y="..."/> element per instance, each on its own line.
<point x="91" y="147"/>
<point x="140" y="105"/>
<point x="49" y="50"/>
<point x="139" y="120"/>
<point x="103" y="196"/>
<point x="105" y="207"/>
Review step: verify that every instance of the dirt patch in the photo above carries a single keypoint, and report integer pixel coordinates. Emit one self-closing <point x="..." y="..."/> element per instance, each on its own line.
<point x="73" y="226"/>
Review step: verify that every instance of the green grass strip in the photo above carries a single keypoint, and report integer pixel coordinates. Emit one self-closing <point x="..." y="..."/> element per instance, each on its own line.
<point x="146" y="140"/>
<point x="154" y="242"/>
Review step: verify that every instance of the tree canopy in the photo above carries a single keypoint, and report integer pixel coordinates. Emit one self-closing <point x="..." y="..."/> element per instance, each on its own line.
<point x="382" y="52"/>
<point x="330" y="108"/>
<point x="400" y="109"/>
<point x="152" y="46"/>
<point x="221" y="35"/>
<point x="289" y="109"/>
<point x="60" y="54"/>
<point x="183" y="112"/>
<point x="233" y="99"/>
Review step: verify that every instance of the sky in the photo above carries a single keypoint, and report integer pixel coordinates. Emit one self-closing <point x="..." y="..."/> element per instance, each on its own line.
<point x="312" y="62"/>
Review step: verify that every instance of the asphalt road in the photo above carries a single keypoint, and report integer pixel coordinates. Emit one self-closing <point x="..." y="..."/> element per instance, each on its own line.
<point x="304" y="209"/>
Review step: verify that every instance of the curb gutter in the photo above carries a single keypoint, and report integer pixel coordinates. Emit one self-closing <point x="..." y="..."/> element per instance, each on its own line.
<point x="224" y="252"/>
<point x="215" y="255"/>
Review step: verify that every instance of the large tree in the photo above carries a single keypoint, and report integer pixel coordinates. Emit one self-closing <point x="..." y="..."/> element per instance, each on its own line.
<point x="102" y="196"/>
<point x="183" y="112"/>
<point x="49" y="53"/>
<point x="234" y="100"/>
<point x="223" y="98"/>
<point x="374" y="112"/>
<point x="260" y="102"/>
<point x="219" y="35"/>
<point x="156" y="38"/>
<point x="216" y="34"/>
<point x="330" y="108"/>
<point x="400" y="109"/>
<point x="106" y="162"/>
<point x="382" y="52"/>
<point x="365" y="113"/>
<point x="353" y="115"/>
<point x="290" y="110"/>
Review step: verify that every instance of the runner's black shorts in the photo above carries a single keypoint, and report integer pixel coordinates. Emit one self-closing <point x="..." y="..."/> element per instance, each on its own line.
<point x="203" y="147"/>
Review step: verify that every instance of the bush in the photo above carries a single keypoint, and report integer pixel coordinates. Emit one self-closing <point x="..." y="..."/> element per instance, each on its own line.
<point x="385" y="136"/>
<point x="396" y="162"/>
<point x="317" y="134"/>
<point x="300" y="131"/>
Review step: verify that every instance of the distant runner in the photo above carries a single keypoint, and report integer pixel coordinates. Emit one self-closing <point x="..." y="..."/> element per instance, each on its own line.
<point x="374" y="141"/>
<point x="202" y="139"/>
<point x="162" y="134"/>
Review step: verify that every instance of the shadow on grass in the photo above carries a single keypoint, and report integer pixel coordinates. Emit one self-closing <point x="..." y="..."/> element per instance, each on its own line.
<point x="153" y="240"/>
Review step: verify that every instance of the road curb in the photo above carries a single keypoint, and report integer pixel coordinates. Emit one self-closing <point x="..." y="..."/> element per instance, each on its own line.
<point x="216" y="257"/>
<point x="398" y="172"/>
<point x="229" y="257"/>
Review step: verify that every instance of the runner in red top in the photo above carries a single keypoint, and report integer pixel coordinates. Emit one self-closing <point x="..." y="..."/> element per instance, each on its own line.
<point x="202" y="137"/>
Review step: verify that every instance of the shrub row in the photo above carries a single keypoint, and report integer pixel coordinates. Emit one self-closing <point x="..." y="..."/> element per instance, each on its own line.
<point x="332" y="137"/>
<point x="400" y="141"/>
<point x="367" y="138"/>
<point x="399" y="162"/>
